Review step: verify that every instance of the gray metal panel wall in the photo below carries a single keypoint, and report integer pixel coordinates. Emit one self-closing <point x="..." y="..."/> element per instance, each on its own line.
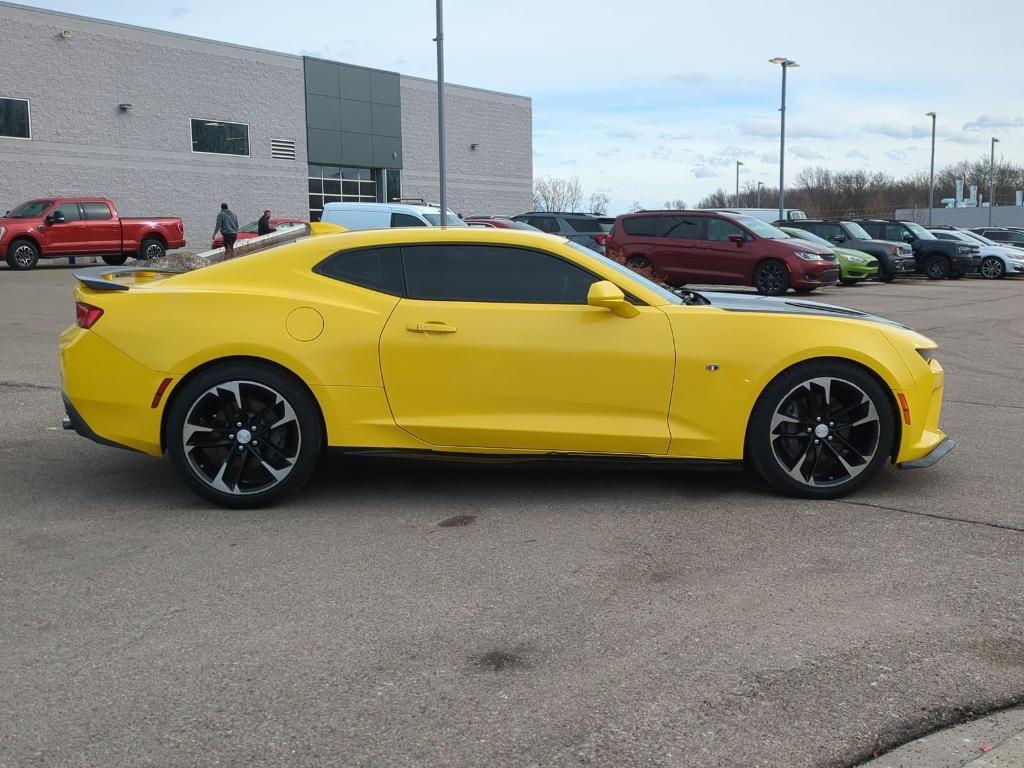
<point x="353" y="114"/>
<point x="82" y="144"/>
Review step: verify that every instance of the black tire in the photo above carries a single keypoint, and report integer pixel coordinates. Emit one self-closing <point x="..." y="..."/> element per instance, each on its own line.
<point x="955" y="275"/>
<point x="771" y="278"/>
<point x="848" y="281"/>
<point x="992" y="268"/>
<point x="791" y="433"/>
<point x="151" y="248"/>
<point x="937" y="268"/>
<point x="888" y="277"/>
<point x="115" y="259"/>
<point x="272" y="406"/>
<point x="805" y="291"/>
<point x="22" y="255"/>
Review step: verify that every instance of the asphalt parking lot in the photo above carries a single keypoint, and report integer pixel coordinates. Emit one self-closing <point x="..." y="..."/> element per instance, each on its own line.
<point x="581" y="617"/>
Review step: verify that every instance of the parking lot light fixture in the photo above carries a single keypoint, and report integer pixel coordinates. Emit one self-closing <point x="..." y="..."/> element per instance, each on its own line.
<point x="441" y="166"/>
<point x="931" y="174"/>
<point x="760" y="186"/>
<point x="738" y="164"/>
<point x="785" y="64"/>
<point x="992" y="180"/>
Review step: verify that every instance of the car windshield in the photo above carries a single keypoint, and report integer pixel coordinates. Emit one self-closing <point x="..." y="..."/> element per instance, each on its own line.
<point x="760" y="228"/>
<point x="802" y="234"/>
<point x="250" y="227"/>
<point x="666" y="294"/>
<point x="920" y="231"/>
<point x="453" y="220"/>
<point x="856" y="231"/>
<point x="31" y="210"/>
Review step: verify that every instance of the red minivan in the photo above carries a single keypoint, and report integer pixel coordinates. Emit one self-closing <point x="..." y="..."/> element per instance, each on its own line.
<point x="680" y="247"/>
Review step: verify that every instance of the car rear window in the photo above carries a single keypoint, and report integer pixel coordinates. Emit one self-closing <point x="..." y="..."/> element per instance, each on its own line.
<point x="584" y="224"/>
<point x="379" y="269"/>
<point x="644" y="226"/>
<point x="96" y="211"/>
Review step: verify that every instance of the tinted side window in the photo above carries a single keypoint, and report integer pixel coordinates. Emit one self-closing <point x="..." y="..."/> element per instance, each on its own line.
<point x="684" y="227"/>
<point x="379" y="269"/>
<point x="1013" y="237"/>
<point x="405" y="220"/>
<point x="490" y="273"/>
<point x="721" y="230"/>
<point x="544" y="223"/>
<point x="644" y="226"/>
<point x="70" y="211"/>
<point x="873" y="229"/>
<point x="830" y="231"/>
<point x="96" y="211"/>
<point x="583" y="224"/>
<point x="894" y="232"/>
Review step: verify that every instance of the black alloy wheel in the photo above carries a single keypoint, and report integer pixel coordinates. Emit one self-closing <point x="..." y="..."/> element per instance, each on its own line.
<point x="937" y="268"/>
<point x="242" y="435"/>
<point x="821" y="430"/>
<point x="992" y="268"/>
<point x="772" y="278"/>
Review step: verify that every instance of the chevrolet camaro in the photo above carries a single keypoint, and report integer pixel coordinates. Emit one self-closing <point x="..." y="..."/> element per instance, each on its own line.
<point x="483" y="342"/>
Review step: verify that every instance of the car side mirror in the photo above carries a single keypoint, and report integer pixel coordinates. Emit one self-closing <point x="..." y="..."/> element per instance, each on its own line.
<point x="909" y="238"/>
<point x="55" y="218"/>
<point x="738" y="239"/>
<point x="837" y="239"/>
<point x="608" y="295"/>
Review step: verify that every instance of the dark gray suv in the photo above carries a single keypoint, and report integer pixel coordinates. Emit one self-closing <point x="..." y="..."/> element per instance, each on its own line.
<point x="894" y="258"/>
<point x="582" y="228"/>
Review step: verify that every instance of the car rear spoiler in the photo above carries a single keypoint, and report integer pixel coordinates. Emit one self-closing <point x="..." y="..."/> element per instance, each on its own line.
<point x="100" y="278"/>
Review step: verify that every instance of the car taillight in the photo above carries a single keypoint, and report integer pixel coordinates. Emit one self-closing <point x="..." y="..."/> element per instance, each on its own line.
<point x="601" y="239"/>
<point x="86" y="315"/>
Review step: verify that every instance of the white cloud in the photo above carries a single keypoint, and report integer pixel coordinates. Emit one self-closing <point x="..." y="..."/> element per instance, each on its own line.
<point x="895" y="154"/>
<point x="993" y="123"/>
<point x="856" y="154"/>
<point x="703" y="172"/>
<point x="806" y="154"/>
<point x="769" y="129"/>
<point x="772" y="158"/>
<point x="898" y="131"/>
<point x="733" y="151"/>
<point x="623" y="133"/>
<point x="675" y="136"/>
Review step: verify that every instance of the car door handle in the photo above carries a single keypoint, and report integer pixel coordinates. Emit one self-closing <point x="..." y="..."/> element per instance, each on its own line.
<point x="431" y="327"/>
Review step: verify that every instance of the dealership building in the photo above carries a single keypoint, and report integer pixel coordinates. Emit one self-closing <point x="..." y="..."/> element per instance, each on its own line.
<point x="174" y="125"/>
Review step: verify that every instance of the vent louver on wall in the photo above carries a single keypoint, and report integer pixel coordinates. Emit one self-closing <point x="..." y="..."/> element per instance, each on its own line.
<point x="282" y="149"/>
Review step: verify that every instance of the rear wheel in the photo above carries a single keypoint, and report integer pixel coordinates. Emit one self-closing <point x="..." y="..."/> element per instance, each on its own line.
<point x="937" y="268"/>
<point x="151" y="249"/>
<point x="992" y="268"/>
<point x="115" y="259"/>
<point x="243" y="435"/>
<point x="22" y="254"/>
<point x="771" y="278"/>
<point x="821" y="430"/>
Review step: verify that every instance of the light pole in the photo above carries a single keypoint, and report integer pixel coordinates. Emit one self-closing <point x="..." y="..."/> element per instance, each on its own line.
<point x="738" y="164"/>
<point x="992" y="180"/>
<point x="931" y="175"/>
<point x="760" y="184"/>
<point x="785" y="64"/>
<point x="441" y="169"/>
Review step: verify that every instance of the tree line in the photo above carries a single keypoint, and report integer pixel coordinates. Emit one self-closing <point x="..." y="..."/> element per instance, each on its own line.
<point x="823" y="192"/>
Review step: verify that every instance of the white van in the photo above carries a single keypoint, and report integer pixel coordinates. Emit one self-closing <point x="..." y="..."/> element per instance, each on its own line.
<point x="766" y="214"/>
<point x="354" y="216"/>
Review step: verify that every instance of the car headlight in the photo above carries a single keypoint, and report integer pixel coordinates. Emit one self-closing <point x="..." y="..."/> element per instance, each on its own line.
<point x="1" y="234"/>
<point x="808" y="256"/>
<point x="963" y="249"/>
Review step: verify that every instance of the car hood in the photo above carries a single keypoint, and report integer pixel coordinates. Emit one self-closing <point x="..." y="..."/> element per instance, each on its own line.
<point x="853" y="252"/>
<point x="745" y="302"/>
<point x="883" y="243"/>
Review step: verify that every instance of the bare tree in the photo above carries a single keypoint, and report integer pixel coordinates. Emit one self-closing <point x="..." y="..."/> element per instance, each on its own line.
<point x="676" y="205"/>
<point x="717" y="199"/>
<point x="557" y="194"/>
<point x="599" y="203"/>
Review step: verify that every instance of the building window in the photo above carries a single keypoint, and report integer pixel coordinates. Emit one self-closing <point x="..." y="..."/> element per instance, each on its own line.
<point x="336" y="184"/>
<point x="217" y="137"/>
<point x="15" y="122"/>
<point x="393" y="184"/>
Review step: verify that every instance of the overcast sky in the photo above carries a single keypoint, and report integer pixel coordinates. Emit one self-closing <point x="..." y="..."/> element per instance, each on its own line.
<point x="655" y="99"/>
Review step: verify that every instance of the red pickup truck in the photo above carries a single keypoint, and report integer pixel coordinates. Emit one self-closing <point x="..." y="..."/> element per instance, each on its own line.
<point x="83" y="226"/>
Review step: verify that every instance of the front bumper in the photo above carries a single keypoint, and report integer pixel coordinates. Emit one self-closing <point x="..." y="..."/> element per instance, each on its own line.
<point x="967" y="264"/>
<point x="903" y="265"/>
<point x="1014" y="267"/>
<point x="932" y="457"/>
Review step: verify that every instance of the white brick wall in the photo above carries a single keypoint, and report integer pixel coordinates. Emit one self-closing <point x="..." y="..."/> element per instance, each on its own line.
<point x="495" y="178"/>
<point x="142" y="159"/>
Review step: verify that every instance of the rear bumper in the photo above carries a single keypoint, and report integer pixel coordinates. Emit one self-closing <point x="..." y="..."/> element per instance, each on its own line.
<point x="73" y="421"/>
<point x="932" y="457"/>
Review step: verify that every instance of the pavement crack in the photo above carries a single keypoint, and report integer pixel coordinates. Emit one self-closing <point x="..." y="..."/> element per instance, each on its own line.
<point x="25" y="385"/>
<point x="947" y="518"/>
<point x="987" y="405"/>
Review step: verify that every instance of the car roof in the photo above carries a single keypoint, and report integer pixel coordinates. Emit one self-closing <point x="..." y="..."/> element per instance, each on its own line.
<point x="392" y="207"/>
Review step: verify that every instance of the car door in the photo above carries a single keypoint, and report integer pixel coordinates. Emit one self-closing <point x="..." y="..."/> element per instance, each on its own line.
<point x="724" y="260"/>
<point x="680" y="250"/>
<point x="63" y="237"/>
<point x="101" y="233"/>
<point x="495" y="347"/>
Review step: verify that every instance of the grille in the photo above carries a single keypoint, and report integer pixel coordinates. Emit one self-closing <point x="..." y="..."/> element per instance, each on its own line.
<point x="282" y="149"/>
<point x="829" y="275"/>
<point x="871" y="264"/>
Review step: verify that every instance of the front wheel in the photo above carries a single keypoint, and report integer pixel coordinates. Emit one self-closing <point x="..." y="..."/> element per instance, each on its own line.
<point x="151" y="249"/>
<point x="992" y="268"/>
<point x="820" y="430"/>
<point x="22" y="254"/>
<point x="115" y="259"/>
<point x="771" y="278"/>
<point x="243" y="435"/>
<point x="937" y="268"/>
<point x="848" y="281"/>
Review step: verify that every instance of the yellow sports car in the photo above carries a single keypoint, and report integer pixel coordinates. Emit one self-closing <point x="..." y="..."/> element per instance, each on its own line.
<point x="483" y="341"/>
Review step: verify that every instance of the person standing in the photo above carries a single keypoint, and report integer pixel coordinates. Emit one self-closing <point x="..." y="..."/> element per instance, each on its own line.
<point x="227" y="225"/>
<point x="263" y="225"/>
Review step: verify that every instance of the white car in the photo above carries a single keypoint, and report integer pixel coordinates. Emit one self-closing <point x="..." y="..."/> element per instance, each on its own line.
<point x="386" y="215"/>
<point x="997" y="260"/>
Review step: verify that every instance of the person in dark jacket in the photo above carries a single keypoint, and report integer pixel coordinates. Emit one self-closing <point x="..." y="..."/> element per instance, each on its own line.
<point x="227" y="225"/>
<point x="263" y="225"/>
